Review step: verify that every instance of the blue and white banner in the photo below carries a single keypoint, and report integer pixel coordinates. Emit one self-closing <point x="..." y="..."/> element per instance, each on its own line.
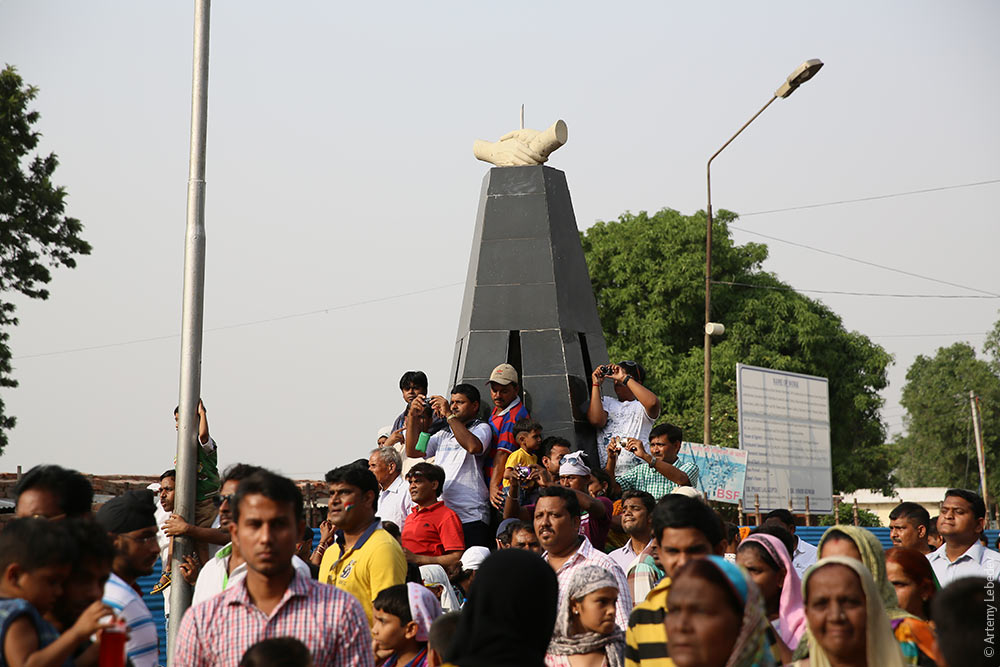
<point x="721" y="470"/>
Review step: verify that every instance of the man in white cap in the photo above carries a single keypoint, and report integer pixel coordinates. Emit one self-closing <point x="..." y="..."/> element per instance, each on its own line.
<point x="507" y="410"/>
<point x="471" y="560"/>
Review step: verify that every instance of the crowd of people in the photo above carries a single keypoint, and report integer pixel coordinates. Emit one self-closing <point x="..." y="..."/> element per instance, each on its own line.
<point x="468" y="537"/>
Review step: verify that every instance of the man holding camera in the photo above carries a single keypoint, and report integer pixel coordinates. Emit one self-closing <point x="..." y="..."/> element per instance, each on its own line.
<point x="661" y="471"/>
<point x="459" y="450"/>
<point x="630" y="415"/>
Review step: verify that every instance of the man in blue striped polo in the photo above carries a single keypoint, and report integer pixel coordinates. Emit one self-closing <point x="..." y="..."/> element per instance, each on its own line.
<point x="130" y="519"/>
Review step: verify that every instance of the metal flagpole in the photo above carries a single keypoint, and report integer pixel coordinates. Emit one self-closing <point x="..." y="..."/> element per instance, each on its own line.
<point x="191" y="322"/>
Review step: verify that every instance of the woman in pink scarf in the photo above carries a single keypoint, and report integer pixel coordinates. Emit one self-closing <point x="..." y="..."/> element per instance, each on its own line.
<point x="766" y="558"/>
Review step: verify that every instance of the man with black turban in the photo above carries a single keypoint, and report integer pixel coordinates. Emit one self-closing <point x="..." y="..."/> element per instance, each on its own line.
<point x="130" y="520"/>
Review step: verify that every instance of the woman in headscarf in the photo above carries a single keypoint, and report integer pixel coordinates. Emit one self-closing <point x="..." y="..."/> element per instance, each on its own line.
<point x="508" y="619"/>
<point x="912" y="578"/>
<point x="436" y="579"/>
<point x="715" y="617"/>
<point x="848" y="625"/>
<point x="766" y="558"/>
<point x="862" y="545"/>
<point x="585" y="633"/>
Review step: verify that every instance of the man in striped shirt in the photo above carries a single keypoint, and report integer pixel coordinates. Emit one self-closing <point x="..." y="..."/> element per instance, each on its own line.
<point x="685" y="529"/>
<point x="131" y="521"/>
<point x="273" y="600"/>
<point x="507" y="410"/>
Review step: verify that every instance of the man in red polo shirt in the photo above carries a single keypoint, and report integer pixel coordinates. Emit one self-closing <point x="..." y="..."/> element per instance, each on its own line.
<point x="432" y="533"/>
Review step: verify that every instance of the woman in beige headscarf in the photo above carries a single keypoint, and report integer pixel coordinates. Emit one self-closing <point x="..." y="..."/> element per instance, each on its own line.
<point x="848" y="625"/>
<point x="860" y="544"/>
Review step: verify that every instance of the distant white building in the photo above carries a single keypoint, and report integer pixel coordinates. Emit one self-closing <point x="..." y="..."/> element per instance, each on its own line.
<point x="928" y="497"/>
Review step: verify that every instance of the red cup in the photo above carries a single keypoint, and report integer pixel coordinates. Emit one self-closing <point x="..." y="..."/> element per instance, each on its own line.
<point x="112" y="653"/>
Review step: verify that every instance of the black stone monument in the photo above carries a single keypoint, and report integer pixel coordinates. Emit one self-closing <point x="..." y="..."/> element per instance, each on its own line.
<point x="528" y="301"/>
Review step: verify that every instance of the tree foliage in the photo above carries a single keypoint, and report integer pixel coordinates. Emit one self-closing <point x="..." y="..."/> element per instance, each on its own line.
<point x="648" y="272"/>
<point x="845" y="517"/>
<point x="35" y="234"/>
<point x="938" y="448"/>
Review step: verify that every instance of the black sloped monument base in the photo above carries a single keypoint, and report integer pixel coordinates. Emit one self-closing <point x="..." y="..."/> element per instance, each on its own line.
<point x="528" y="301"/>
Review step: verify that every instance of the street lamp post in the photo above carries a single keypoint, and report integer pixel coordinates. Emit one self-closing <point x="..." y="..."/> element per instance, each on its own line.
<point x="802" y="73"/>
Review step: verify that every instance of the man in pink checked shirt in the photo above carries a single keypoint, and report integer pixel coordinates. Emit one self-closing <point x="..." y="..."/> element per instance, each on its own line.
<point x="273" y="600"/>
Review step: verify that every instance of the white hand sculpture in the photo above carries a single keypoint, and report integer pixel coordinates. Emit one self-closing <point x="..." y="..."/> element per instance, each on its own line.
<point x="523" y="147"/>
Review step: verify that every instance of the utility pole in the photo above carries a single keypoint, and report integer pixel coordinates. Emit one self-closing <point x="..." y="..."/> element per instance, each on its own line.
<point x="191" y="322"/>
<point x="977" y="429"/>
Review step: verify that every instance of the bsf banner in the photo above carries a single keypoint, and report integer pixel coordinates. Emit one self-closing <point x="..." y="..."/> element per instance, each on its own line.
<point x="721" y="470"/>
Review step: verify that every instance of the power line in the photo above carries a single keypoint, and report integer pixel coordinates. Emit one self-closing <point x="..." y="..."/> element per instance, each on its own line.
<point x="928" y="335"/>
<point x="872" y="198"/>
<point x="867" y="263"/>
<point x="878" y="294"/>
<point x="239" y="325"/>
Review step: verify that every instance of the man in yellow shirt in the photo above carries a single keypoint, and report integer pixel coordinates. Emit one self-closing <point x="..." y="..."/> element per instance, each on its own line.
<point x="363" y="559"/>
<point x="685" y="529"/>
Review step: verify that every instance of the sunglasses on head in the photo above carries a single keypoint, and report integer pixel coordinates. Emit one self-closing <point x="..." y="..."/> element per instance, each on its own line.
<point x="634" y="366"/>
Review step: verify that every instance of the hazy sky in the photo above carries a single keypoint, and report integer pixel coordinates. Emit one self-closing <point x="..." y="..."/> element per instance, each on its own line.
<point x="341" y="180"/>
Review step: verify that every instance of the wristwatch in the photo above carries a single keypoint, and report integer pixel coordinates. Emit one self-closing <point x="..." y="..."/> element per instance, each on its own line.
<point x="652" y="462"/>
<point x="625" y="381"/>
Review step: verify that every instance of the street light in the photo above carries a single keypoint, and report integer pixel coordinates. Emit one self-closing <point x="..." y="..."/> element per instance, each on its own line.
<point x="802" y="73"/>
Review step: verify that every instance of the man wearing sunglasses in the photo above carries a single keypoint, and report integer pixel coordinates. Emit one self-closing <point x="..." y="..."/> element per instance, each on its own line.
<point x="631" y="414"/>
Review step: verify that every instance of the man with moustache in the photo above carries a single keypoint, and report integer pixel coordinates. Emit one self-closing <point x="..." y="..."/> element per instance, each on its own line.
<point x="507" y="411"/>
<point x="364" y="559"/>
<point x="557" y="525"/>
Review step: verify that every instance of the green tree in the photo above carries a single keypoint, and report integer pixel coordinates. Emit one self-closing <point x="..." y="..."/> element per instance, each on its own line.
<point x="938" y="448"/>
<point x="35" y="234"/>
<point x="845" y="517"/>
<point x="992" y="348"/>
<point x="648" y="277"/>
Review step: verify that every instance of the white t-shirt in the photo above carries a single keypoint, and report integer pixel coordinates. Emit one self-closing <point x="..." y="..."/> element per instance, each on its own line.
<point x="465" y="491"/>
<point x="395" y="503"/>
<point x="625" y="420"/>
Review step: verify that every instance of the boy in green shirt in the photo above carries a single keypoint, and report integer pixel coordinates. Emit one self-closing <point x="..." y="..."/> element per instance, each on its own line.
<point x="206" y="509"/>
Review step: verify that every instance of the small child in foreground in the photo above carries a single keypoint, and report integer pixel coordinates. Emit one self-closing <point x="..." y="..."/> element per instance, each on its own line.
<point x="35" y="560"/>
<point x="403" y="617"/>
<point x="440" y="637"/>
<point x="277" y="652"/>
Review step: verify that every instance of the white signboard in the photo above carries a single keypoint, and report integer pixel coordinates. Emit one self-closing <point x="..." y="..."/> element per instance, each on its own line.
<point x="721" y="470"/>
<point x="785" y="428"/>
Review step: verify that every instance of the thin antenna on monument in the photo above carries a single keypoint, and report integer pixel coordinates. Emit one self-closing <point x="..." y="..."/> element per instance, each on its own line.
<point x="522" y="116"/>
